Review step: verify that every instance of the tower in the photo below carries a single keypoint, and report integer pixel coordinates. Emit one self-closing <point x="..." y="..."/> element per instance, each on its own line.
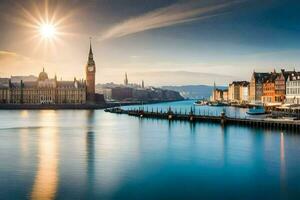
<point x="126" y="79"/>
<point x="90" y="77"/>
<point x="214" y="92"/>
<point x="143" y="84"/>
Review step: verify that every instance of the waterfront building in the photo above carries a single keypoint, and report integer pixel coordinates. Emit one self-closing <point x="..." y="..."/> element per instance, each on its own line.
<point x="121" y="93"/>
<point x="269" y="94"/>
<point x="293" y="88"/>
<point x="133" y="92"/>
<point x="244" y="91"/>
<point x="280" y="85"/>
<point x="235" y="93"/>
<point x="219" y="94"/>
<point x="274" y="87"/>
<point x="4" y="90"/>
<point x="106" y="92"/>
<point x="225" y="95"/>
<point x="256" y="86"/>
<point x="141" y="94"/>
<point x="43" y="90"/>
<point x="213" y="96"/>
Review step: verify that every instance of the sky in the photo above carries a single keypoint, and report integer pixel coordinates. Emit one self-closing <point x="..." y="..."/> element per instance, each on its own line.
<point x="163" y="42"/>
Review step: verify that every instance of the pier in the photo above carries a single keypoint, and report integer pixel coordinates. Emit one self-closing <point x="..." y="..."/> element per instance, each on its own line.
<point x="222" y="118"/>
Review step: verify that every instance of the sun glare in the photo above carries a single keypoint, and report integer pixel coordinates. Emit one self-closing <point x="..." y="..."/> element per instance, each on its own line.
<point x="46" y="23"/>
<point x="47" y="30"/>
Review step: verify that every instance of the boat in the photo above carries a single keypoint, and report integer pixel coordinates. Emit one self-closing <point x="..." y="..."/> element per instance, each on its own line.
<point x="257" y="110"/>
<point x="218" y="104"/>
<point x="201" y="103"/>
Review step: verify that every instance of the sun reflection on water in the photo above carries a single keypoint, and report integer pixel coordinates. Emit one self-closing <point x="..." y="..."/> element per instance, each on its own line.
<point x="282" y="161"/>
<point x="46" y="180"/>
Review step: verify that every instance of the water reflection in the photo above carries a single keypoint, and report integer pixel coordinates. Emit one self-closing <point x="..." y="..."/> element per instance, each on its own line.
<point x="90" y="152"/>
<point x="282" y="161"/>
<point x="46" y="180"/>
<point x="97" y="155"/>
<point x="225" y="139"/>
<point x="90" y="157"/>
<point x="24" y="143"/>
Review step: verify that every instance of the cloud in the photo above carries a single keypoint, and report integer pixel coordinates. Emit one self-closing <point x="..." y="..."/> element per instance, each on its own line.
<point x="175" y="14"/>
<point x="14" y="63"/>
<point x="8" y="55"/>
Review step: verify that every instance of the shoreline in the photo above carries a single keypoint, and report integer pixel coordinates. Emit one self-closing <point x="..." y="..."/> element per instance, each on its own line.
<point x="53" y="106"/>
<point x="75" y="106"/>
<point x="221" y="119"/>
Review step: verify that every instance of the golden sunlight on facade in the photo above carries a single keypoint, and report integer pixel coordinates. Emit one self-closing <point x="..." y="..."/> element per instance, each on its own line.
<point x="45" y="90"/>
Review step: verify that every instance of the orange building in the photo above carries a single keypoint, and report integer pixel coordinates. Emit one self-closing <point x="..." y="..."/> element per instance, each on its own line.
<point x="280" y="85"/>
<point x="269" y="92"/>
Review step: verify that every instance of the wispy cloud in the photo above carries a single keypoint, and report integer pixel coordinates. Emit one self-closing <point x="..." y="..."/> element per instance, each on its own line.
<point x="174" y="14"/>
<point x="7" y="55"/>
<point x="15" y="63"/>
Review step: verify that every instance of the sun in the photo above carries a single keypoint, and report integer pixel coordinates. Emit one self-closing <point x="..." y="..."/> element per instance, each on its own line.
<point x="46" y="24"/>
<point x="47" y="30"/>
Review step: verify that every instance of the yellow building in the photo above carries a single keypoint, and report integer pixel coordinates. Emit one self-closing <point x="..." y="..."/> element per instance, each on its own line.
<point x="43" y="90"/>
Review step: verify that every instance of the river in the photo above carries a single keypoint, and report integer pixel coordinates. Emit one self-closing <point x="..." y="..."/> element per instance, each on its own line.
<point x="81" y="154"/>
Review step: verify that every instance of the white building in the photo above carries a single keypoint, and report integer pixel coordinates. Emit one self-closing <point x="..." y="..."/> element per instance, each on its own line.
<point x="244" y="92"/>
<point x="293" y="89"/>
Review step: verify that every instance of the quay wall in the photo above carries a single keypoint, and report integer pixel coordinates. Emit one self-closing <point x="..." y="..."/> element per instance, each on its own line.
<point x="221" y="119"/>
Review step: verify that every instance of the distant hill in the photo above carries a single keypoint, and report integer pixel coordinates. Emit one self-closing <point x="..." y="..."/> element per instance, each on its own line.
<point x="193" y="91"/>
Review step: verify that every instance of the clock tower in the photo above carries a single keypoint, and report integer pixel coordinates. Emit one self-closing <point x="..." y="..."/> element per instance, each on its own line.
<point x="90" y="77"/>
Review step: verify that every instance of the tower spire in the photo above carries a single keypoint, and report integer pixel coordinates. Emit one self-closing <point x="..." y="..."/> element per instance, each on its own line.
<point x="126" y="79"/>
<point x="91" y="51"/>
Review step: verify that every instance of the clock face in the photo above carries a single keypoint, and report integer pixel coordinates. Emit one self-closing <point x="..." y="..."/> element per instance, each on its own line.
<point x="91" y="68"/>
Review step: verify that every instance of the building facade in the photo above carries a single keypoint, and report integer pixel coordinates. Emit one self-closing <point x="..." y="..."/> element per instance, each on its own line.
<point x="219" y="94"/>
<point x="44" y="90"/>
<point x="269" y="94"/>
<point x="244" y="91"/>
<point x="233" y="92"/>
<point x="122" y="93"/>
<point x="293" y="88"/>
<point x="256" y="86"/>
<point x="225" y="95"/>
<point x="280" y="85"/>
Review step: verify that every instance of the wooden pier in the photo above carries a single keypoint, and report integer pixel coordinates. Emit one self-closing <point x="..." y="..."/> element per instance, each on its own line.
<point x="221" y="119"/>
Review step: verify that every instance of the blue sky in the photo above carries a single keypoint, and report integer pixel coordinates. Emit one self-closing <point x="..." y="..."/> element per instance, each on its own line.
<point x="161" y="41"/>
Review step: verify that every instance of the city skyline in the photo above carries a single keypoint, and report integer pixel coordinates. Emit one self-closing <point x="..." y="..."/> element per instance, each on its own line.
<point x="162" y="42"/>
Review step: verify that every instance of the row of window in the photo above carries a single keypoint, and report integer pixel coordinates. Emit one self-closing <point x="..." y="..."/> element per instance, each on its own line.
<point x="295" y="91"/>
<point x="293" y="83"/>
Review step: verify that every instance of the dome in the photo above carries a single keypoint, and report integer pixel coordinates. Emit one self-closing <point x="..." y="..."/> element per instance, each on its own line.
<point x="43" y="75"/>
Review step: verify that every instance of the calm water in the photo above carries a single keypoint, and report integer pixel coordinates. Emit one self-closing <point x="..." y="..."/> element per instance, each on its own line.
<point x="98" y="155"/>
